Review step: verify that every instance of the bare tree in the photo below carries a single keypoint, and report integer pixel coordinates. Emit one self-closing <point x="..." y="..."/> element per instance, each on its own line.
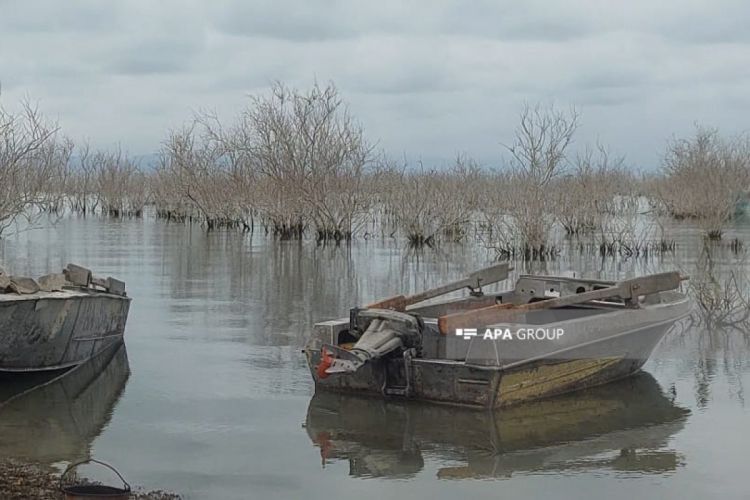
<point x="541" y="139"/>
<point x="33" y="163"/>
<point x="237" y="166"/>
<point x="538" y="156"/>
<point x="594" y="189"/>
<point x="82" y="189"/>
<point x="722" y="296"/>
<point x="704" y="177"/>
<point x="121" y="185"/>
<point x="314" y="155"/>
<point x="428" y="205"/>
<point x="192" y="158"/>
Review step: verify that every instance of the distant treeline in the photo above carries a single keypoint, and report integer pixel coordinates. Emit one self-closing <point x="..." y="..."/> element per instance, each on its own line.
<point x="296" y="164"/>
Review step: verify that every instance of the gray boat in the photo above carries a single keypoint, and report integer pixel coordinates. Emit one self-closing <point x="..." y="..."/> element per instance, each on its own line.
<point x="60" y="320"/>
<point x="546" y="336"/>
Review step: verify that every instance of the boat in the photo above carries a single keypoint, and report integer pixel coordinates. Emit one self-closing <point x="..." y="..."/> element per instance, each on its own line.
<point x="60" y="320"/>
<point x="50" y="417"/>
<point x="626" y="427"/>
<point x="546" y="336"/>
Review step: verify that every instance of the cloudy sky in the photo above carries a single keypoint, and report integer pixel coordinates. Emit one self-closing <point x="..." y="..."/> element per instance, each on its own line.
<point x="426" y="78"/>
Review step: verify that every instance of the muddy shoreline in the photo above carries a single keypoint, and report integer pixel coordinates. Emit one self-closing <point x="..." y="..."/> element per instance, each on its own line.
<point x="24" y="481"/>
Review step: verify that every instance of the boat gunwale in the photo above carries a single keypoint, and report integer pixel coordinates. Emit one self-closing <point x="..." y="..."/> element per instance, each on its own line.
<point x="67" y="293"/>
<point x="681" y="299"/>
<point x="614" y="308"/>
<point x="610" y="307"/>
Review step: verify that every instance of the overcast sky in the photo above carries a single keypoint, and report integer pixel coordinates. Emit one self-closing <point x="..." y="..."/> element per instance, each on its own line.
<point x="428" y="78"/>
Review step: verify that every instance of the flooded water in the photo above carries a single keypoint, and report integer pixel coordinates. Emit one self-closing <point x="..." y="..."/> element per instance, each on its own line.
<point x="213" y="399"/>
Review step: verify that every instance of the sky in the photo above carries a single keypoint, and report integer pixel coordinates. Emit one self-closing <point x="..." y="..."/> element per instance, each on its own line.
<point x="426" y="79"/>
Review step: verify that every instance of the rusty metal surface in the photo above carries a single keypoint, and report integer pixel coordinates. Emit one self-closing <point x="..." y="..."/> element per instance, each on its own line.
<point x="474" y="281"/>
<point x="549" y="379"/>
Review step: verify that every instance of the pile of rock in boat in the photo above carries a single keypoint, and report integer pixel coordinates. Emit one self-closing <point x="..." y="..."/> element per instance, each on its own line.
<point x="72" y="276"/>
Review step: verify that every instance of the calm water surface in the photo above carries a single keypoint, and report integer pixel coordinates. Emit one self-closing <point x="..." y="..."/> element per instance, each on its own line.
<point x="213" y="399"/>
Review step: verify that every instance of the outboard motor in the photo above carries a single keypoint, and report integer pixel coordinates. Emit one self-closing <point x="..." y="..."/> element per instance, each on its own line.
<point x="380" y="332"/>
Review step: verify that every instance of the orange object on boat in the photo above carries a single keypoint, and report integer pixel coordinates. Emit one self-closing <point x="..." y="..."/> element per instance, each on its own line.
<point x="326" y="359"/>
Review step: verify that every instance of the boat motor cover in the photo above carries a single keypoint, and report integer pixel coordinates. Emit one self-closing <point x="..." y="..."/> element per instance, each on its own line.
<point x="384" y="331"/>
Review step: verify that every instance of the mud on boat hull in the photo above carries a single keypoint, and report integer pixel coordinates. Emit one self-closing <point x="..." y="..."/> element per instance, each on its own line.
<point x="58" y="330"/>
<point x="459" y="383"/>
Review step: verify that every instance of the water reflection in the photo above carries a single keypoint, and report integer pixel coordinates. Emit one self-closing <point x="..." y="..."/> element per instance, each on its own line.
<point x="220" y="388"/>
<point x="625" y="426"/>
<point x="58" y="419"/>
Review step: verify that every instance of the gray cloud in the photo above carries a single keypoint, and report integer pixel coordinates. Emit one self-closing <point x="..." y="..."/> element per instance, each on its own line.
<point x="341" y="19"/>
<point x="424" y="78"/>
<point x="89" y="16"/>
<point x="152" y="56"/>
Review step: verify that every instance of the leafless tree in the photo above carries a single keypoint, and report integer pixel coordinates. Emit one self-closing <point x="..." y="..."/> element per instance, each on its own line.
<point x="122" y="187"/>
<point x="541" y="140"/>
<point x="313" y="155"/>
<point x="33" y="164"/>
<point x="523" y="218"/>
<point x="722" y="296"/>
<point x="595" y="188"/>
<point x="191" y="165"/>
<point x="82" y="188"/>
<point x="427" y="205"/>
<point x="704" y="177"/>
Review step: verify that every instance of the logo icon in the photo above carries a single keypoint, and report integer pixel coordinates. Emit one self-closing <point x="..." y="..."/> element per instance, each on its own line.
<point x="466" y="333"/>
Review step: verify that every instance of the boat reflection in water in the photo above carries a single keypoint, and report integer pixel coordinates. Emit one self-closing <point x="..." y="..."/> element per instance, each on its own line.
<point x="63" y="413"/>
<point x="624" y="426"/>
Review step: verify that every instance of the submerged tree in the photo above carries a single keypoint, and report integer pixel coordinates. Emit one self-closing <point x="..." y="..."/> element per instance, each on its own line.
<point x="33" y="164"/>
<point x="81" y="187"/>
<point x="427" y="204"/>
<point x="313" y="155"/>
<point x="295" y="159"/>
<point x="704" y="177"/>
<point x="522" y="216"/>
<point x="122" y="187"/>
<point x="191" y="165"/>
<point x="592" y="191"/>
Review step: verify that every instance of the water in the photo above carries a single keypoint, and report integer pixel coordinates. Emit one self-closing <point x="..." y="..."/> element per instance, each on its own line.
<point x="214" y="399"/>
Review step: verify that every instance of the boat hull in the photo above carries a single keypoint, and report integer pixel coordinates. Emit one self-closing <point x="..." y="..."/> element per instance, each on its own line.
<point x="57" y="330"/>
<point x="608" y="357"/>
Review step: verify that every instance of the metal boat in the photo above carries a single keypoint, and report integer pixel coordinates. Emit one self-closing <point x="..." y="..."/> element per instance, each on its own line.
<point x="59" y="320"/>
<point x="548" y="335"/>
